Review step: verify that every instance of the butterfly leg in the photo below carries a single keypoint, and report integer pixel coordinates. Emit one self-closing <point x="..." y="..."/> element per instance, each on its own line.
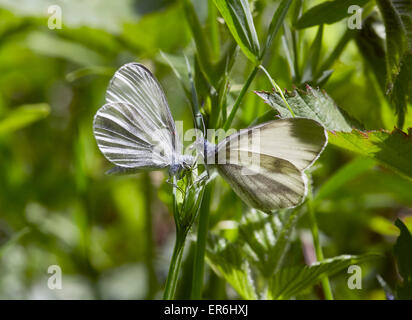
<point x="174" y="185"/>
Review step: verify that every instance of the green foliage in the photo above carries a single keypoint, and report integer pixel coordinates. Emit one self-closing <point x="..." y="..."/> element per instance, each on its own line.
<point x="312" y="104"/>
<point x="327" y="12"/>
<point x="228" y="260"/>
<point x="398" y="23"/>
<point x="403" y="253"/>
<point x="393" y="149"/>
<point x="239" y="20"/>
<point x="113" y="235"/>
<point x="289" y="282"/>
<point x="266" y="239"/>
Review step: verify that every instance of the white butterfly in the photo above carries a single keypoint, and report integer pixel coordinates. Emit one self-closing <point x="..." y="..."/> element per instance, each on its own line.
<point x="135" y="131"/>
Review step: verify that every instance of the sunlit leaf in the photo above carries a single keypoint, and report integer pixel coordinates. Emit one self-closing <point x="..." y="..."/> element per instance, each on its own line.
<point x="393" y="149"/>
<point x="23" y="116"/>
<point x="313" y="104"/>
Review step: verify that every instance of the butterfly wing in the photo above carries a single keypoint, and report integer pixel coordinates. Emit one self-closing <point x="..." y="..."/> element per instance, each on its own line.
<point x="133" y="83"/>
<point x="135" y="128"/>
<point x="297" y="140"/>
<point x="273" y="184"/>
<point x="264" y="164"/>
<point x="124" y="137"/>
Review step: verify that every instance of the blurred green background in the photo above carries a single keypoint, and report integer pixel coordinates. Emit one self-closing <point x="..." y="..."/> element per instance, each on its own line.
<point x="112" y="236"/>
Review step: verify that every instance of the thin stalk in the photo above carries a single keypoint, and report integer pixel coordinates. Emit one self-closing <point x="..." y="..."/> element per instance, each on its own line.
<point x="337" y="51"/>
<point x="278" y="89"/>
<point x="240" y="98"/>
<point x="327" y="291"/>
<point x="174" y="268"/>
<point x="199" y="261"/>
<point x="296" y="54"/>
<point x="176" y="261"/>
<point x="213" y="26"/>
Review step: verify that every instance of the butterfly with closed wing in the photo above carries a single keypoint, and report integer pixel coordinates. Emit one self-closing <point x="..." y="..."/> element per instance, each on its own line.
<point x="135" y="131"/>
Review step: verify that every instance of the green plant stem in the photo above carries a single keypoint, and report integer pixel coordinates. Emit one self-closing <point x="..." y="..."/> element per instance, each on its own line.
<point x="278" y="89"/>
<point x="214" y="31"/>
<point x="174" y="268"/>
<point x="176" y="261"/>
<point x="240" y="98"/>
<point x="199" y="261"/>
<point x="318" y="249"/>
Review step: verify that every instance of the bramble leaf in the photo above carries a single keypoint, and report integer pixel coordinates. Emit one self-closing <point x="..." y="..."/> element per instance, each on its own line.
<point x="289" y="282"/>
<point x="393" y="149"/>
<point x="313" y="104"/>
<point x="266" y="239"/>
<point x="228" y="260"/>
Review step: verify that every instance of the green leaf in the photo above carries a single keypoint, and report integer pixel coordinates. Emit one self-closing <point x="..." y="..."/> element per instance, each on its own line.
<point x="404" y="9"/>
<point x="327" y="12"/>
<point x="313" y="104"/>
<point x="204" y="49"/>
<point x="403" y="253"/>
<point x="289" y="282"/>
<point x="393" y="149"/>
<point x="228" y="260"/>
<point x="266" y="239"/>
<point x="398" y="26"/>
<point x="371" y="46"/>
<point x="276" y="23"/>
<point x="313" y="57"/>
<point x="22" y="116"/>
<point x="238" y="18"/>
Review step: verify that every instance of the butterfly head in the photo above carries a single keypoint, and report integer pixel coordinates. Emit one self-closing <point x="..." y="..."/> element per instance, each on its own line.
<point x="181" y="163"/>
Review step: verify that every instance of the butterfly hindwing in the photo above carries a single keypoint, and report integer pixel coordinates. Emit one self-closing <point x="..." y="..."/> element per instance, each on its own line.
<point x="264" y="164"/>
<point x="272" y="184"/>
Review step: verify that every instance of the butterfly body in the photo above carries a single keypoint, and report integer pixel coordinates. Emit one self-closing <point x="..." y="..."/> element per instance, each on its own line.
<point x="182" y="163"/>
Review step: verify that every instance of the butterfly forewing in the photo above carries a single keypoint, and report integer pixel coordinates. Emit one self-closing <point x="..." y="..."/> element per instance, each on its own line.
<point x="134" y="84"/>
<point x="127" y="140"/>
<point x="297" y="140"/>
